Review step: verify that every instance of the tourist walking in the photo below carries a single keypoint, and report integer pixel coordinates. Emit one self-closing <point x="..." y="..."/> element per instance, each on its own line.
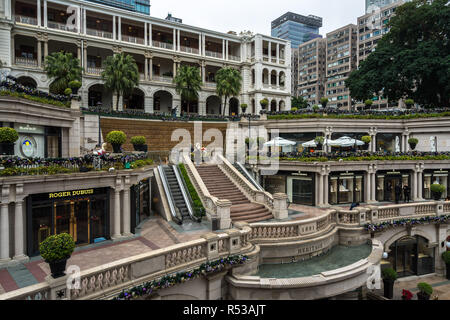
<point x="398" y="192"/>
<point x="406" y="193"/>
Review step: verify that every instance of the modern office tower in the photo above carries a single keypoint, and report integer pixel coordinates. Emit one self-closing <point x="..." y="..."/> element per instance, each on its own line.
<point x="371" y="28"/>
<point x="341" y="60"/>
<point x="173" y="19"/>
<point x="296" y="28"/>
<point x="375" y="5"/>
<point x="140" y="6"/>
<point x="311" y="70"/>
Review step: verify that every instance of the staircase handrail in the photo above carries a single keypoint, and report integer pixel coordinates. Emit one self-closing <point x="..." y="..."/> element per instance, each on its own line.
<point x="173" y="210"/>
<point x="249" y="176"/>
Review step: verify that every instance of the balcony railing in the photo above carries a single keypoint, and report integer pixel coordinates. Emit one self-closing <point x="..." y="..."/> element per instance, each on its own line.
<point x="132" y="39"/>
<point x="189" y="50"/>
<point x="26" y="20"/>
<point x="213" y="54"/>
<point x="234" y="58"/>
<point x="61" y="26"/>
<point x="210" y="84"/>
<point x="94" y="71"/>
<point x="163" y="79"/>
<point x="265" y="58"/>
<point x="99" y="33"/>
<point x="274" y="60"/>
<point x="163" y="45"/>
<point x="26" y="62"/>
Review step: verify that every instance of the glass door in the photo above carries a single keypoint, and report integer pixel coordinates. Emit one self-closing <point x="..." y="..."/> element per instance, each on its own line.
<point x="302" y="191"/>
<point x="389" y="188"/>
<point x="81" y="221"/>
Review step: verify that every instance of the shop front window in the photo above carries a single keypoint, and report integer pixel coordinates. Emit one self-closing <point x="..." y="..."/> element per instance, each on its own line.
<point x="140" y="202"/>
<point x="346" y="188"/>
<point x="387" y="182"/>
<point x="300" y="189"/>
<point x="388" y="141"/>
<point x="435" y="177"/>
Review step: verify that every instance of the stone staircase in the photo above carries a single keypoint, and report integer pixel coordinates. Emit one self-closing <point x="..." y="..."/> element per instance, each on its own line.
<point x="220" y="186"/>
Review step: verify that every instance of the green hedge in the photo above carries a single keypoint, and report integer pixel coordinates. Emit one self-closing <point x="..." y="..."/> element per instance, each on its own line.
<point x="36" y="99"/>
<point x="356" y="116"/>
<point x="194" y="195"/>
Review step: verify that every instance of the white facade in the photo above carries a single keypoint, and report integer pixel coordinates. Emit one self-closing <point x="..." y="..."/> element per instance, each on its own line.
<point x="30" y="30"/>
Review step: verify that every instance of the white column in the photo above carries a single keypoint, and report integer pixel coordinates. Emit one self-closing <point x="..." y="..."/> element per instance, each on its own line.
<point x="4" y="233"/>
<point x="203" y="44"/>
<point x="270" y="51"/>
<point x="84" y="22"/>
<point x="374" y="186"/>
<point x="39" y="53"/>
<point x="278" y="79"/>
<point x="419" y="189"/>
<point x="368" y="189"/>
<point x="79" y="13"/>
<point x="19" y="231"/>
<point x="320" y="189"/>
<point x="114" y="28"/>
<point x="223" y="48"/>
<point x="146" y="69"/>
<point x="200" y="51"/>
<point x="226" y="50"/>
<point x="325" y="189"/>
<point x="145" y="34"/>
<point x="39" y="18"/>
<point x="126" y="212"/>
<point x="406" y="143"/>
<point x="174" y="40"/>
<point x="151" y="68"/>
<point x="116" y="233"/>
<point x="374" y="143"/>
<point x="45" y="13"/>
<point x="178" y="39"/>
<point x="414" y="188"/>
<point x="119" y="37"/>
<point x="150" y="34"/>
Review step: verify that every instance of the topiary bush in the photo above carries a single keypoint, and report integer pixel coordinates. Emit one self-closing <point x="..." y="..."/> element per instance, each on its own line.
<point x="389" y="274"/>
<point x="138" y="140"/>
<point x="8" y="135"/>
<point x="293" y="109"/>
<point x="68" y="92"/>
<point x="413" y="140"/>
<point x="319" y="140"/>
<point x="264" y="103"/>
<point x="446" y="257"/>
<point x="116" y="137"/>
<point x="425" y="288"/>
<point x="368" y="102"/>
<point x="57" y="247"/>
<point x="437" y="188"/>
<point x="75" y="84"/>
<point x="244" y="107"/>
<point x="366" y="139"/>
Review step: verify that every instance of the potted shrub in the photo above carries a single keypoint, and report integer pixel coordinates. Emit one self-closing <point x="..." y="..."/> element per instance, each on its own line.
<point x="413" y="143"/>
<point x="75" y="85"/>
<point x="366" y="140"/>
<point x="294" y="109"/>
<point x="437" y="190"/>
<point x="68" y="91"/>
<point x="446" y="258"/>
<point x="8" y="136"/>
<point x="319" y="141"/>
<point x="116" y="139"/>
<point x="139" y="143"/>
<point x="264" y="103"/>
<point x="425" y="291"/>
<point x="244" y="107"/>
<point x="389" y="276"/>
<point x="409" y="103"/>
<point x="56" y="250"/>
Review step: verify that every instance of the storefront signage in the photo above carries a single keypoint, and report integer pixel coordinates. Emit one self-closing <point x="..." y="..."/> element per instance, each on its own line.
<point x="74" y="193"/>
<point x="393" y="172"/>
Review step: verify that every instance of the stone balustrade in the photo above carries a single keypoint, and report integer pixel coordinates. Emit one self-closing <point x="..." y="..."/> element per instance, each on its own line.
<point x="408" y="210"/>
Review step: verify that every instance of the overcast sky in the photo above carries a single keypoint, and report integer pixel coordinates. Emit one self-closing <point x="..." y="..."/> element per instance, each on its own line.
<point x="256" y="15"/>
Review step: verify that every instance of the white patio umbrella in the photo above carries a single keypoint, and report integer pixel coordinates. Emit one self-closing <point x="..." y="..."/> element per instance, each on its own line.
<point x="313" y="144"/>
<point x="279" y="142"/>
<point x="345" y="142"/>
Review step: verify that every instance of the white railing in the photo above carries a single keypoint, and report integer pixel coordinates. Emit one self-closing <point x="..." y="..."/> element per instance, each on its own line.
<point x="234" y="58"/>
<point x="265" y="58"/>
<point x="282" y="61"/>
<point x="189" y="49"/>
<point x="213" y="54"/>
<point x="26" y="62"/>
<point x="132" y="39"/>
<point x="26" y="20"/>
<point x="99" y="33"/>
<point x="94" y="71"/>
<point x="61" y="26"/>
<point x="166" y="79"/>
<point x="163" y="45"/>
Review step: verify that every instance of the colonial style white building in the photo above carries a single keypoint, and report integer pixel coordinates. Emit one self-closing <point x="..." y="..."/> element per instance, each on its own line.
<point x="32" y="29"/>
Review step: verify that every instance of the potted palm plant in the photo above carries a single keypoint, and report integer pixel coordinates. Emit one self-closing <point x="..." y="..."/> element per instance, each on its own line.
<point x="389" y="276"/>
<point x="366" y="140"/>
<point x="116" y="139"/>
<point x="56" y="250"/>
<point x="425" y="291"/>
<point x="139" y="143"/>
<point x="446" y="258"/>
<point x="413" y="143"/>
<point x="8" y="136"/>
<point x="437" y="190"/>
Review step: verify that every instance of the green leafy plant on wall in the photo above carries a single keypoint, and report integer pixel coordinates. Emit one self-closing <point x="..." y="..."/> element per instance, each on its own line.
<point x="199" y="210"/>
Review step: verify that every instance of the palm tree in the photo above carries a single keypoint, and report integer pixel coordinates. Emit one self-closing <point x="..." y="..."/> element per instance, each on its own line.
<point x="188" y="82"/>
<point x="62" y="68"/>
<point x="229" y="83"/>
<point x="121" y="75"/>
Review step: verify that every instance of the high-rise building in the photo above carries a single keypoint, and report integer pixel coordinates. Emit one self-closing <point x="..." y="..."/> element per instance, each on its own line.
<point x="311" y="70"/>
<point x="140" y="6"/>
<point x="173" y="19"/>
<point x="341" y="60"/>
<point x="296" y="28"/>
<point x="374" y="5"/>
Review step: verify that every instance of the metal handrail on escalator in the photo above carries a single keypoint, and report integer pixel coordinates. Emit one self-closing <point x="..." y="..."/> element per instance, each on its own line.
<point x="186" y="195"/>
<point x="173" y="210"/>
<point x="249" y="177"/>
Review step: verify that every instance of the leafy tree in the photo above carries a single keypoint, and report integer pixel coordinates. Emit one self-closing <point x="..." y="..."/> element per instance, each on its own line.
<point x="188" y="82"/>
<point x="121" y="75"/>
<point x="324" y="102"/>
<point x="229" y="82"/>
<point x="368" y="102"/>
<point x="412" y="59"/>
<point x="62" y="68"/>
<point x="299" y="102"/>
